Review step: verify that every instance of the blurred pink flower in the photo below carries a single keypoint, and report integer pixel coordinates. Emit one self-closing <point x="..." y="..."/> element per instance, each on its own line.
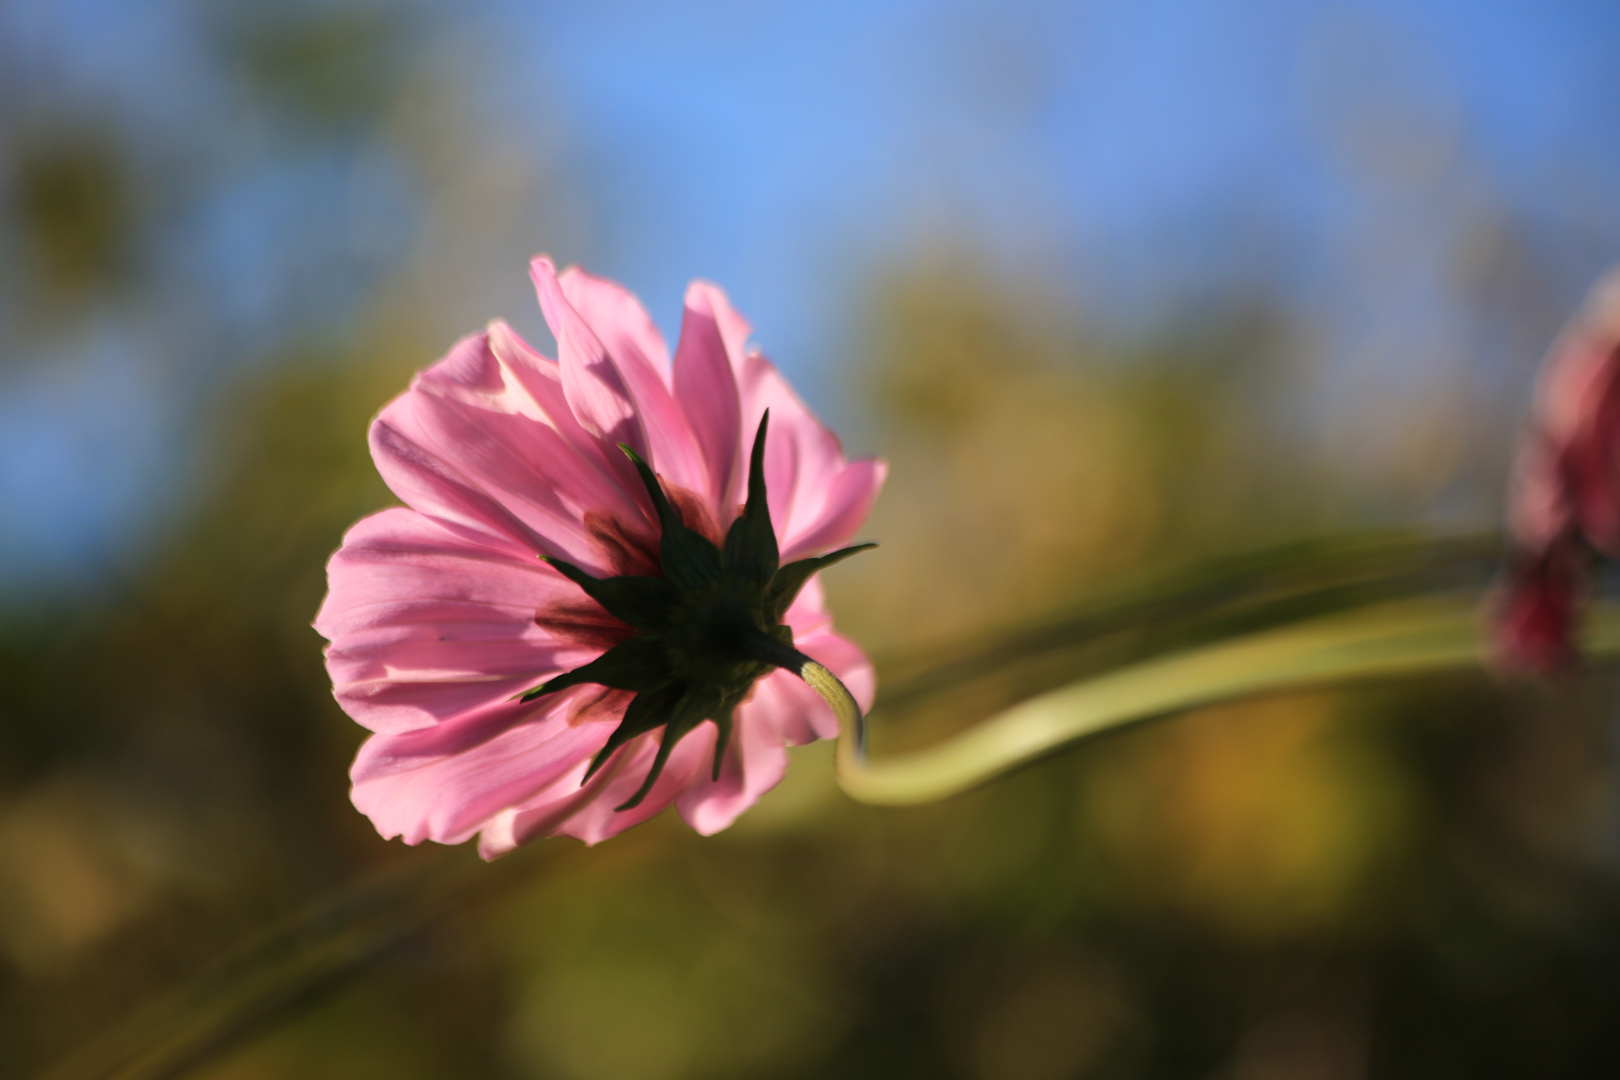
<point x="459" y="623"/>
<point x="1536" y="609"/>
<point x="1564" y="506"/>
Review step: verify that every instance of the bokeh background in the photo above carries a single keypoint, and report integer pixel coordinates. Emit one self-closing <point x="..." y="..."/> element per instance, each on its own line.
<point x="1115" y="285"/>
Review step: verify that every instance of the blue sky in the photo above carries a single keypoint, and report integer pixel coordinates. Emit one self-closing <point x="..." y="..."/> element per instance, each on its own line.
<point x="1131" y="144"/>
<point x="1138" y="154"/>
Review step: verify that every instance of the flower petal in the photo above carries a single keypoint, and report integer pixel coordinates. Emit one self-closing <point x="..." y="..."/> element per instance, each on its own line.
<point x="422" y="786"/>
<point x="637" y="353"/>
<point x="755" y="762"/>
<point x="596" y="394"/>
<point x="808" y="613"/>
<point x="706" y="359"/>
<point x="470" y="445"/>
<point x="471" y="416"/>
<point x="1574" y="466"/>
<point x="818" y="499"/>
<point x="426" y="624"/>
<point x="587" y="812"/>
<point x="846" y="503"/>
<point x="619" y="321"/>
<point x="427" y="483"/>
<point x="541" y="379"/>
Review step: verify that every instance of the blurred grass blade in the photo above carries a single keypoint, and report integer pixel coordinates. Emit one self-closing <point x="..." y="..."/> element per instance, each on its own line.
<point x="292" y="964"/>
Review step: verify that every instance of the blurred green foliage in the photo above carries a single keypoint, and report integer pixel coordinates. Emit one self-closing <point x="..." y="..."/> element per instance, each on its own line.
<point x="72" y="195"/>
<point x="330" y="66"/>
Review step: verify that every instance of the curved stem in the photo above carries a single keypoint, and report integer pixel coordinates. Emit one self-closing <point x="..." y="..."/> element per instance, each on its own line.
<point x="1386" y="639"/>
<point x="818" y="678"/>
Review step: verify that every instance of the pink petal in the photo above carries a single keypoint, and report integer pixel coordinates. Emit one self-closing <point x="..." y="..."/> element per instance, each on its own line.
<point x="587" y="813"/>
<point x="540" y="379"/>
<point x="1540" y="504"/>
<point x="520" y="462"/>
<point x="596" y="394"/>
<point x="1579" y="368"/>
<point x="712" y="340"/>
<point x="847" y="502"/>
<point x="1592" y="465"/>
<point x="598" y="819"/>
<point x="1578" y="425"/>
<point x="427" y="483"/>
<point x="782" y="702"/>
<point x="474" y="449"/>
<point x="808" y="613"/>
<point x="619" y="321"/>
<point x="637" y="353"/>
<point x="755" y="762"/>
<point x="818" y="499"/>
<point x="412" y="788"/>
<point x="426" y="624"/>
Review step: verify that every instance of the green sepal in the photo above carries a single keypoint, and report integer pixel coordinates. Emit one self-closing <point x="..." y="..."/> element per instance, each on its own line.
<point x="639" y="664"/>
<point x="723" y="719"/>
<point x="665" y="745"/>
<point x="640" y="601"/>
<point x="751" y="554"/>
<point x="690" y="559"/>
<point x="708" y="628"/>
<point x="645" y="713"/>
<point x="667" y="517"/>
<point x="692" y="709"/>
<point x="785" y="586"/>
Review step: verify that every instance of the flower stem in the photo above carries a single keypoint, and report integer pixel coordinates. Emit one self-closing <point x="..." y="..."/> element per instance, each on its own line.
<point x="1383" y="638"/>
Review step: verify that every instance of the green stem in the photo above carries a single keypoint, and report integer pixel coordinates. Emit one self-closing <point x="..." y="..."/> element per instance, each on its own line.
<point x="1387" y="639"/>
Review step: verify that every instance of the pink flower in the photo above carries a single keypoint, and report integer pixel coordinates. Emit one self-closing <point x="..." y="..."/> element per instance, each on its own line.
<point x="1564" y="506"/>
<point x="546" y="640"/>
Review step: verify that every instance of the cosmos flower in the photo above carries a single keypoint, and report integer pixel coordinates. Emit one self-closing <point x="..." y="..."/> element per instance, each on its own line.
<point x="1564" y="505"/>
<point x="600" y="598"/>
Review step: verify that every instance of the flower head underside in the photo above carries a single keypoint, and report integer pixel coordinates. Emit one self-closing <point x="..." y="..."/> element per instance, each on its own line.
<point x="706" y="629"/>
